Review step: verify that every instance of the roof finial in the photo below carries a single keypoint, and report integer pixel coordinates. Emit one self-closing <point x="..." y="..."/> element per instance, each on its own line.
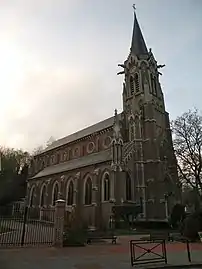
<point x="115" y="116"/>
<point x="138" y="46"/>
<point x="134" y="8"/>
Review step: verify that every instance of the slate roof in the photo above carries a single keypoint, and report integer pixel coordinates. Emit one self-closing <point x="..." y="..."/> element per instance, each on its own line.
<point x="82" y="133"/>
<point x="91" y="159"/>
<point x="138" y="46"/>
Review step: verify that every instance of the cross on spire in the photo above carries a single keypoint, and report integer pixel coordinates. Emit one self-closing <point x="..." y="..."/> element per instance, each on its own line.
<point x="138" y="46"/>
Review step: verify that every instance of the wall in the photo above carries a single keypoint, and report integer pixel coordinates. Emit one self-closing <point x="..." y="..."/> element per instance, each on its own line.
<point x="77" y="149"/>
<point x="97" y="214"/>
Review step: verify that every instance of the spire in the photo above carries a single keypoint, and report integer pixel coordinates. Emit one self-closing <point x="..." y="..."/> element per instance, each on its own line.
<point x="117" y="129"/>
<point x="138" y="45"/>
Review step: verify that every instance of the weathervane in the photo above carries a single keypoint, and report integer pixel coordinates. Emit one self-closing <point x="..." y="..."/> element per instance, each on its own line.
<point x="134" y="7"/>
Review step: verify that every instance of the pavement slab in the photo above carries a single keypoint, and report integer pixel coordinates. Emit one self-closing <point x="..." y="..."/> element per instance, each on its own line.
<point x="95" y="256"/>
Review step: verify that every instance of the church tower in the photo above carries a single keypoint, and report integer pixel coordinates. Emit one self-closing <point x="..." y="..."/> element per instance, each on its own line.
<point x="153" y="166"/>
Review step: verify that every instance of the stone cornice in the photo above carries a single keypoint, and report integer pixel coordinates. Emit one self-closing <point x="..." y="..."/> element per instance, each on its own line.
<point x="51" y="151"/>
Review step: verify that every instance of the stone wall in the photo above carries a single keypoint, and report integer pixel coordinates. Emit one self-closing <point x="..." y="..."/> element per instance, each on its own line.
<point x="94" y="214"/>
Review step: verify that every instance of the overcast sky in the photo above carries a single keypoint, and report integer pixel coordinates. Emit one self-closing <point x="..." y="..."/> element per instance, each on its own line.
<point x="58" y="61"/>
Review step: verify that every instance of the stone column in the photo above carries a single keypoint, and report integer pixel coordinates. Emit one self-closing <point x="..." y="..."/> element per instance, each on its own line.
<point x="75" y="206"/>
<point x="143" y="186"/>
<point x="48" y="193"/>
<point x="37" y="195"/>
<point x="112" y="186"/>
<point x="94" y="195"/>
<point x="166" y="206"/>
<point x="59" y="223"/>
<point x="60" y="194"/>
<point x="27" y="197"/>
<point x="77" y="176"/>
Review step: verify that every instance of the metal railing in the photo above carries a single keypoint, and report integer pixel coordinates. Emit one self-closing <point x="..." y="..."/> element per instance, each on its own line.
<point x="30" y="226"/>
<point x="144" y="252"/>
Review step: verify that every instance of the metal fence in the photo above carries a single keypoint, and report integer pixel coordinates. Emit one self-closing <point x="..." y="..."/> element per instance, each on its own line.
<point x="145" y="252"/>
<point x="26" y="226"/>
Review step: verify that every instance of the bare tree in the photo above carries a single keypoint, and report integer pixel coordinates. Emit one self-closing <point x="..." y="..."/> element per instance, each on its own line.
<point x="37" y="150"/>
<point x="187" y="139"/>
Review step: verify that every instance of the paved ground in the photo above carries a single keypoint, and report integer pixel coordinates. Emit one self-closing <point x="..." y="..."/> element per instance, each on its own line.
<point x="96" y="256"/>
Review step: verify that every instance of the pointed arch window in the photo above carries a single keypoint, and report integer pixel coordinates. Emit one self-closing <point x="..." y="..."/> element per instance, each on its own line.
<point x="42" y="196"/>
<point x="154" y="85"/>
<point x="32" y="196"/>
<point x="137" y="83"/>
<point x="131" y="85"/>
<point x="132" y="134"/>
<point x="137" y="127"/>
<point x="55" y="194"/>
<point x="106" y="187"/>
<point x="88" y="191"/>
<point x="70" y="193"/>
<point x="58" y="158"/>
<point x="128" y="188"/>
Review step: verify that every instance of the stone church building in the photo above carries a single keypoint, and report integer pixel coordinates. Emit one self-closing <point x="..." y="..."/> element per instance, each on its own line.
<point x="125" y="159"/>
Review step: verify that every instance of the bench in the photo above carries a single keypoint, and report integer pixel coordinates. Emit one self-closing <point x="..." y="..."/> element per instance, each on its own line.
<point x="98" y="235"/>
<point x="175" y="236"/>
<point x="160" y="235"/>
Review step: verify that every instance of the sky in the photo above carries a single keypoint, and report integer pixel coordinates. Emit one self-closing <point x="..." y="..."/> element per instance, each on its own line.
<point x="59" y="60"/>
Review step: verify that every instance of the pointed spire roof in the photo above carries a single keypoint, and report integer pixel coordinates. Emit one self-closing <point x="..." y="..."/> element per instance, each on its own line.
<point x="116" y="127"/>
<point x="138" y="45"/>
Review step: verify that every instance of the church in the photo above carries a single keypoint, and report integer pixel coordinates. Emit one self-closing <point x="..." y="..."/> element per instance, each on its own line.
<point x="125" y="159"/>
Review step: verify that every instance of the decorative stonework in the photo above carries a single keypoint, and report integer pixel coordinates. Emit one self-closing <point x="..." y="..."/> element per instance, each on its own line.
<point x="90" y="147"/>
<point x="76" y="152"/>
<point x="112" y="200"/>
<point x="94" y="188"/>
<point x="106" y="142"/>
<point x="62" y="178"/>
<point x="77" y="176"/>
<point x="150" y="180"/>
<point x="96" y="171"/>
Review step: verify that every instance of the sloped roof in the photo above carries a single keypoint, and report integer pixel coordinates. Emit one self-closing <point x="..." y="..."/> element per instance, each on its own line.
<point x="91" y="159"/>
<point x="82" y="133"/>
<point x="138" y="45"/>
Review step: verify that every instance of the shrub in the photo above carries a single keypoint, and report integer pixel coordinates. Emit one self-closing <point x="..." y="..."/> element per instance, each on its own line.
<point x="74" y="237"/>
<point x="177" y="215"/>
<point x="152" y="225"/>
<point x="193" y="225"/>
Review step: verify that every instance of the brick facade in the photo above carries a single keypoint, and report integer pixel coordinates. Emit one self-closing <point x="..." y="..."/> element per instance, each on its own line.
<point x="126" y="158"/>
